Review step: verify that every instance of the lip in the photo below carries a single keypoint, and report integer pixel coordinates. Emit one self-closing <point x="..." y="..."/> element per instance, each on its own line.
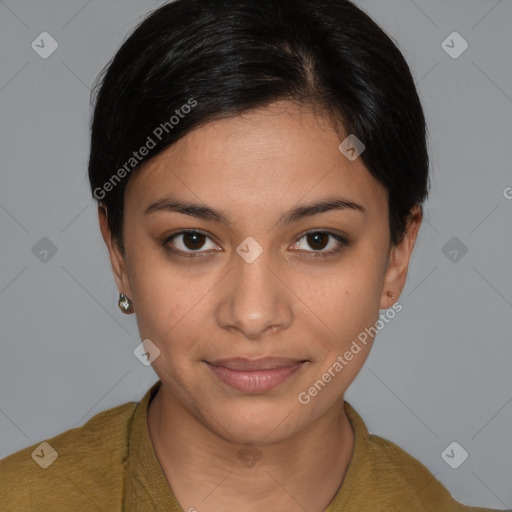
<point x="254" y="375"/>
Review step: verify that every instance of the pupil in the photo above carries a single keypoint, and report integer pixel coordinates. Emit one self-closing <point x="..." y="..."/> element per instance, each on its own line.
<point x="195" y="238"/>
<point x="317" y="239"/>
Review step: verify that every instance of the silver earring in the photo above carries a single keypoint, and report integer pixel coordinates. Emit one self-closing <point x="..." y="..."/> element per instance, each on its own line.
<point x="125" y="304"/>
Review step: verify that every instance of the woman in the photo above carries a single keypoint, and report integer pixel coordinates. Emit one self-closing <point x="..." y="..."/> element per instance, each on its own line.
<point x="260" y="168"/>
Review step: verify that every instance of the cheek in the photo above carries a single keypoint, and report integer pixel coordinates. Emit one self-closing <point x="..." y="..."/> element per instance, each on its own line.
<point x="350" y="297"/>
<point x="164" y="296"/>
<point x="350" y="307"/>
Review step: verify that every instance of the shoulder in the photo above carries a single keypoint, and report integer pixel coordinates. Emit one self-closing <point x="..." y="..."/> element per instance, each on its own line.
<point x="400" y="478"/>
<point x="81" y="467"/>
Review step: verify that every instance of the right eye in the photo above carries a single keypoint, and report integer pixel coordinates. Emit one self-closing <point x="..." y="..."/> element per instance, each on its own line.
<point x="187" y="242"/>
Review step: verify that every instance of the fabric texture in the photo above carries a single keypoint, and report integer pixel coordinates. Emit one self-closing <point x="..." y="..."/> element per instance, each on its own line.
<point x="109" y="464"/>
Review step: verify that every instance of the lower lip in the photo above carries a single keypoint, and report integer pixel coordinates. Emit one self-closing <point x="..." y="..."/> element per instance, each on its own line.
<point x="254" y="381"/>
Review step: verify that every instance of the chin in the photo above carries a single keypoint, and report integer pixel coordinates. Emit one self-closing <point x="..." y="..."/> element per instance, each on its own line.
<point x="252" y="424"/>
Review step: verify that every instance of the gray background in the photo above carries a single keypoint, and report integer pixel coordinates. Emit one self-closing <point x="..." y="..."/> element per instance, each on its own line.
<point x="439" y="372"/>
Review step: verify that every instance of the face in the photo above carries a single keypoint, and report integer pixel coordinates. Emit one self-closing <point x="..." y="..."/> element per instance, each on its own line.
<point x="255" y="255"/>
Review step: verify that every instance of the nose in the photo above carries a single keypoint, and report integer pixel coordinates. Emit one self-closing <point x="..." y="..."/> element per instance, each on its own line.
<point x="254" y="301"/>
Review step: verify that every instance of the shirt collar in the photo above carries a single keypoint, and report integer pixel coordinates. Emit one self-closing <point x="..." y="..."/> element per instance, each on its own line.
<point x="145" y="485"/>
<point x="360" y="476"/>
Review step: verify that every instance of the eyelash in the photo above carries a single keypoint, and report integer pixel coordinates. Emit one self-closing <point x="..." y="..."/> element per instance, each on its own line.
<point x="343" y="243"/>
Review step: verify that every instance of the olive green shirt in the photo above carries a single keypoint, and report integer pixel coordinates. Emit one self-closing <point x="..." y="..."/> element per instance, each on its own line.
<point x="109" y="464"/>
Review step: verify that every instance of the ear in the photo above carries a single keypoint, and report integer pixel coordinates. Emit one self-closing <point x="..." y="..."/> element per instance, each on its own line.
<point x="399" y="258"/>
<point x="116" y="257"/>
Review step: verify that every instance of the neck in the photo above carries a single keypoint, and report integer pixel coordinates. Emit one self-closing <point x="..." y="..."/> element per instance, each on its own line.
<point x="207" y="472"/>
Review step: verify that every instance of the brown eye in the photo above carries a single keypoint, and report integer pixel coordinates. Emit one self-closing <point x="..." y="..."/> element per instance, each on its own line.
<point x="189" y="242"/>
<point x="318" y="241"/>
<point x="193" y="240"/>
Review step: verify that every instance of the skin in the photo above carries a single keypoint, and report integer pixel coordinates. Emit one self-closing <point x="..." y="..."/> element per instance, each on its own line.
<point x="254" y="168"/>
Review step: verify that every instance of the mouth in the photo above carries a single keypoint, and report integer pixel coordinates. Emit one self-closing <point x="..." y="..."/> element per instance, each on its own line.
<point x="255" y="375"/>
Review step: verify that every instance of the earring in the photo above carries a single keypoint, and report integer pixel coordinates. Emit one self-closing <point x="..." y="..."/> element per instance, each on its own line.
<point x="391" y="295"/>
<point x="125" y="304"/>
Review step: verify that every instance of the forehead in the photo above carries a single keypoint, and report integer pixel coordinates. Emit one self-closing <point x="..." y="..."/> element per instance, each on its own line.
<point x="275" y="155"/>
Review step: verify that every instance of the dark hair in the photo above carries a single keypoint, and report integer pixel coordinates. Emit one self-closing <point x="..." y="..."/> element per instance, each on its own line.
<point x="193" y="61"/>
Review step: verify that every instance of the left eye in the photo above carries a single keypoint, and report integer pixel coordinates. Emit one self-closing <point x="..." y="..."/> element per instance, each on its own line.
<point x="321" y="240"/>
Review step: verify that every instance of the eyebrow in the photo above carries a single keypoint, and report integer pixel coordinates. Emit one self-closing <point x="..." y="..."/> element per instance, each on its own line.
<point x="293" y="215"/>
